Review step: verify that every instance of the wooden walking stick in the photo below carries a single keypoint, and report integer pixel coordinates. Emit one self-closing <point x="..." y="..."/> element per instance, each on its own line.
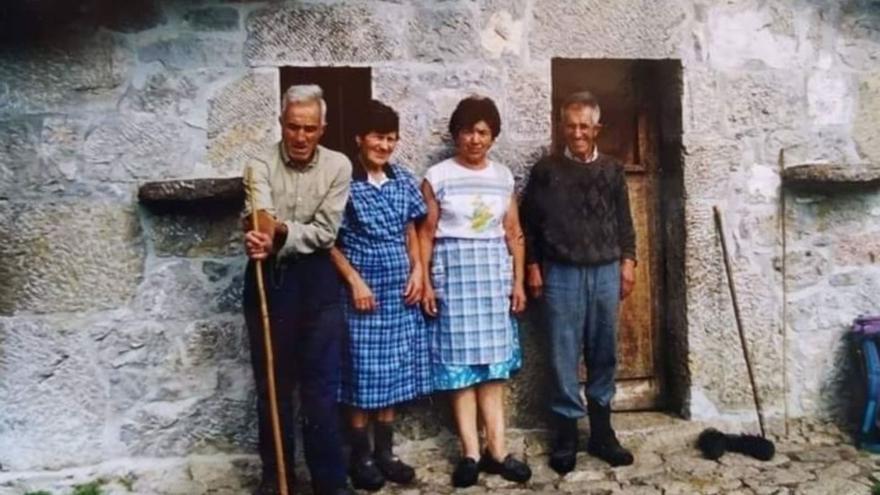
<point x="267" y="342"/>
<point x="742" y="337"/>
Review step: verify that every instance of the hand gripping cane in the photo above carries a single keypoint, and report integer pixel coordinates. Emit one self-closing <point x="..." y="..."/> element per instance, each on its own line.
<point x="267" y="342"/>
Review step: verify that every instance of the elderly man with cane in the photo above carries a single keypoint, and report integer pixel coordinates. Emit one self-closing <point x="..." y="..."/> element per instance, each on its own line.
<point x="296" y="193"/>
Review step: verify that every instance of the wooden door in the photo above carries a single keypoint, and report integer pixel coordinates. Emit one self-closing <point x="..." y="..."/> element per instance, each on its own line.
<point x="629" y="134"/>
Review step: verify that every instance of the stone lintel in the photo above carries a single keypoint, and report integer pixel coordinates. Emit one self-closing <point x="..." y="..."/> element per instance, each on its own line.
<point x="831" y="177"/>
<point x="192" y="191"/>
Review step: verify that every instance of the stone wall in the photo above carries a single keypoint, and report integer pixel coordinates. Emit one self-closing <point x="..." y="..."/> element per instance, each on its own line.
<point x="120" y="329"/>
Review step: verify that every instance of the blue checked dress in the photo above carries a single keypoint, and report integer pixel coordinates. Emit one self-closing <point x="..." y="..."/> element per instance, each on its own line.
<point x="386" y="359"/>
<point x="474" y="337"/>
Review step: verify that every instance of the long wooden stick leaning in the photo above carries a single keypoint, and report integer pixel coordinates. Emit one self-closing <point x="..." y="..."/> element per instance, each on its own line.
<point x="742" y="337"/>
<point x="270" y="356"/>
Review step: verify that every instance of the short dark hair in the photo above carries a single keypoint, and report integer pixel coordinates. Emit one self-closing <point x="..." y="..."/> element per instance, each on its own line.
<point x="472" y="110"/>
<point x="377" y="117"/>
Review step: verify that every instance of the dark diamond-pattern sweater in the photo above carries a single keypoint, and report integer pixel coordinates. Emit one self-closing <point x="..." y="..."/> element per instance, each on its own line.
<point x="577" y="213"/>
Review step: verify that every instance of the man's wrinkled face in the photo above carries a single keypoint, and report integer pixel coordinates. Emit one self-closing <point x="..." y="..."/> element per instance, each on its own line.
<point x="301" y="130"/>
<point x="580" y="130"/>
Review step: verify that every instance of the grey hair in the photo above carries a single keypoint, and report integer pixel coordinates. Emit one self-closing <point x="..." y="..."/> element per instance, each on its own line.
<point x="581" y="99"/>
<point x="305" y="93"/>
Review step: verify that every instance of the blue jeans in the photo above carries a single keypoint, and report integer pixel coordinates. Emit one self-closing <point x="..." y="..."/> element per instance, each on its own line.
<point x="580" y="307"/>
<point x="308" y="330"/>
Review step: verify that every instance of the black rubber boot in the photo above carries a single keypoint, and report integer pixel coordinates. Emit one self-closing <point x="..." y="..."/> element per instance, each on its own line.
<point x="603" y="442"/>
<point x="389" y="464"/>
<point x="362" y="469"/>
<point x="564" y="454"/>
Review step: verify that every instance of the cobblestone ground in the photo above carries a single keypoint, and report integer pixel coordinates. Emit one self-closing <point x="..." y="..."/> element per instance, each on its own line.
<point x="812" y="459"/>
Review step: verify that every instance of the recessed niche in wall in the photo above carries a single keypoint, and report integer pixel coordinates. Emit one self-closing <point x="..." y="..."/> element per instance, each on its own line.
<point x="346" y="91"/>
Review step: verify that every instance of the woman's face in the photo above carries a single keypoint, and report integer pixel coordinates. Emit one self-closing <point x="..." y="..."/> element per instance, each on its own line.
<point x="473" y="144"/>
<point x="376" y="147"/>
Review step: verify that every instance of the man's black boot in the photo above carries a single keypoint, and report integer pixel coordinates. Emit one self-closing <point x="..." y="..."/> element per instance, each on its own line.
<point x="603" y="442"/>
<point x="389" y="464"/>
<point x="564" y="454"/>
<point x="362" y="469"/>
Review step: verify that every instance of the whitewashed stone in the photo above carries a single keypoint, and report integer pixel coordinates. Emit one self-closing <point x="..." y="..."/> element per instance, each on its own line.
<point x="191" y="50"/>
<point x="623" y="29"/>
<point x="243" y="121"/>
<point x="68" y="256"/>
<point x="311" y="33"/>
<point x="176" y="289"/>
<point x="70" y="73"/>
<point x="830" y="98"/>
<point x="764" y="100"/>
<point x="744" y="34"/>
<point x="442" y="34"/>
<point x="868" y="111"/>
<point x="53" y="394"/>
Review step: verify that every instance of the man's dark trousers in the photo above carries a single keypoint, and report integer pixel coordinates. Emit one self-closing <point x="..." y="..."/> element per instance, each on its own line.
<point x="308" y="328"/>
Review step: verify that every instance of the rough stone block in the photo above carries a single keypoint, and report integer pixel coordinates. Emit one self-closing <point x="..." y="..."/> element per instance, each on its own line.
<point x="65" y="256"/>
<point x="213" y="19"/>
<point x="192" y="51"/>
<point x="243" y="121"/>
<point x="856" y="42"/>
<point x="765" y="101"/>
<point x="829" y="178"/>
<point x="216" y="342"/>
<point x="311" y="33"/>
<point x="23" y="167"/>
<point x="529" y="104"/>
<point x="167" y="92"/>
<point x="72" y="72"/>
<point x="867" y="115"/>
<point x="502" y="27"/>
<point x="703" y="105"/>
<point x="622" y="29"/>
<point x="219" y="419"/>
<point x="181" y="289"/>
<point x="712" y="170"/>
<point x="826" y="145"/>
<point x="210" y="233"/>
<point x="746" y="35"/>
<point x="830" y="98"/>
<point x="53" y="394"/>
<point x="443" y="34"/>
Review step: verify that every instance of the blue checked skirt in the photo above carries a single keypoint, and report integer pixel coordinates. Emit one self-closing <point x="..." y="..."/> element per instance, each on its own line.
<point x="474" y="337"/>
<point x="386" y="359"/>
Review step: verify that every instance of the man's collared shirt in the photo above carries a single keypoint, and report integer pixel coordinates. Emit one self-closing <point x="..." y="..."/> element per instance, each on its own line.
<point x="310" y="199"/>
<point x="591" y="159"/>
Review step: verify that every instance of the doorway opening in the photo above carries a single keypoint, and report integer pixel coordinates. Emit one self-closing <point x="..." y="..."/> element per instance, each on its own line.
<point x="641" y="117"/>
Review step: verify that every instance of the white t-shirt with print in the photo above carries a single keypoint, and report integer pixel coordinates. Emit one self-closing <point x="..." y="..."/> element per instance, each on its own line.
<point x="472" y="202"/>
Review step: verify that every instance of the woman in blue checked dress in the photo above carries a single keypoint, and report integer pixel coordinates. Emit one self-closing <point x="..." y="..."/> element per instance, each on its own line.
<point x="472" y="242"/>
<point x="386" y="359"/>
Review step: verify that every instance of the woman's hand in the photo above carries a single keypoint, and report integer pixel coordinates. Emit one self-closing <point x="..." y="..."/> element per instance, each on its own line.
<point x="429" y="299"/>
<point x="518" y="299"/>
<point x="414" y="286"/>
<point x="361" y="295"/>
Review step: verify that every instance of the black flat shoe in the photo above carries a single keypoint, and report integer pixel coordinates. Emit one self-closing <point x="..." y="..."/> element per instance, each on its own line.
<point x="365" y="475"/>
<point x="510" y="468"/>
<point x="466" y="473"/>
<point x="395" y="470"/>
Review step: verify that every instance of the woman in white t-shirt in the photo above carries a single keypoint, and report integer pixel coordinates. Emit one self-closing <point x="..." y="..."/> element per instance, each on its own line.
<point x="472" y="242"/>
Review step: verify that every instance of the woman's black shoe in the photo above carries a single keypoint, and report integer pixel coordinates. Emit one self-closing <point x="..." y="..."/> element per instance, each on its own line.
<point x="466" y="473"/>
<point x="365" y="475"/>
<point x="395" y="470"/>
<point x="510" y="468"/>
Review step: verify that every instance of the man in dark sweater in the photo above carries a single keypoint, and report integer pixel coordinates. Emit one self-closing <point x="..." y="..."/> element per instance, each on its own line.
<point x="581" y="250"/>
